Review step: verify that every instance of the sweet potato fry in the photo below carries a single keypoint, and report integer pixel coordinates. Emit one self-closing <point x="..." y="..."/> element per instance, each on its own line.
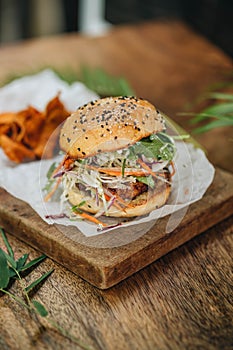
<point x="15" y="151"/>
<point x="33" y="124"/>
<point x="55" y="114"/>
<point x="4" y="129"/>
<point x="7" y="118"/>
<point x="22" y="126"/>
<point x="29" y="134"/>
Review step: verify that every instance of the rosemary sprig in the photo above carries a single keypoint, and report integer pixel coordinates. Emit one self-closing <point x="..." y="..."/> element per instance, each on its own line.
<point x="11" y="270"/>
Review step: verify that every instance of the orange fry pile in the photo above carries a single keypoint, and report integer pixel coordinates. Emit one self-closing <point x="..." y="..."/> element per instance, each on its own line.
<point x="24" y="135"/>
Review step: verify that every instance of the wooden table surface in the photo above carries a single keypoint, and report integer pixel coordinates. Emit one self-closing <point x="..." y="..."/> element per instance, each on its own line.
<point x="183" y="300"/>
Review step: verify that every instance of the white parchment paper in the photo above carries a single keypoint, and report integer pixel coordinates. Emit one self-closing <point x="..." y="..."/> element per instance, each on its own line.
<point x="194" y="173"/>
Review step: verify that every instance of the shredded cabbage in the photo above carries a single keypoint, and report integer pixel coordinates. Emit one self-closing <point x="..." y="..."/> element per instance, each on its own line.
<point x="95" y="184"/>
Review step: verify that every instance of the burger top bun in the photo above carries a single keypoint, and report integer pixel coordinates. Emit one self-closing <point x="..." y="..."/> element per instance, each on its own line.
<point x="109" y="124"/>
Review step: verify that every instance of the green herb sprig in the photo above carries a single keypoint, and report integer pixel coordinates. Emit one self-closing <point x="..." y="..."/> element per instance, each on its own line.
<point x="218" y="114"/>
<point x="12" y="270"/>
<point x="105" y="84"/>
<point x="98" y="80"/>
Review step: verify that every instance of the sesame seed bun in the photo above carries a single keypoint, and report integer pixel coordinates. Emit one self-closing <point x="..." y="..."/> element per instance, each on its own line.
<point x="109" y="124"/>
<point x="141" y="205"/>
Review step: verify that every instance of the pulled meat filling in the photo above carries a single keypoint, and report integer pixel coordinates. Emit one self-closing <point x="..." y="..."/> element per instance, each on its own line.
<point x="132" y="190"/>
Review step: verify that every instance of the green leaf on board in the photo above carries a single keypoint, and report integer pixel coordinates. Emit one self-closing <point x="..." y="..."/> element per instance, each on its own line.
<point x="38" y="281"/>
<point x="4" y="270"/>
<point x="40" y="308"/>
<point x="10" y="260"/>
<point x="7" y="244"/>
<point x="33" y="262"/>
<point x="21" y="262"/>
<point x="12" y="273"/>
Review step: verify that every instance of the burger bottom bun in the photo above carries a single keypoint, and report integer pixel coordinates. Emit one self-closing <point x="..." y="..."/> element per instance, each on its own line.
<point x="141" y="205"/>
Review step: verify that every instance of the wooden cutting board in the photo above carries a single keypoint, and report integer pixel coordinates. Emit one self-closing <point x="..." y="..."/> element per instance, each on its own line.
<point x="106" y="259"/>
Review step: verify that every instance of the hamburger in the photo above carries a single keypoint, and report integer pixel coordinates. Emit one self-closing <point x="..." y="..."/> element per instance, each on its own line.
<point x="118" y="158"/>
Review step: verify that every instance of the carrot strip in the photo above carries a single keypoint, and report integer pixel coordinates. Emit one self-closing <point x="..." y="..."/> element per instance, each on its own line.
<point x="68" y="162"/>
<point x="51" y="193"/>
<point x="90" y="218"/>
<point x="117" y="171"/>
<point x="146" y="167"/>
<point x="119" y="199"/>
<point x="107" y="197"/>
<point x="116" y="204"/>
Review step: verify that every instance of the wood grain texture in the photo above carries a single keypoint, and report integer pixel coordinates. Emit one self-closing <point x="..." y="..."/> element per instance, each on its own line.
<point x="183" y="300"/>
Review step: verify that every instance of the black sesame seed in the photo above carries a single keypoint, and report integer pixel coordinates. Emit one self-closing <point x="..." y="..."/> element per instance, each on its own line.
<point x="79" y="149"/>
<point x="115" y="137"/>
<point x="68" y="139"/>
<point x="83" y="153"/>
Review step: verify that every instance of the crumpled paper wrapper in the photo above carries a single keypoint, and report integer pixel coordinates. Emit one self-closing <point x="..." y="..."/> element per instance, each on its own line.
<point x="193" y="176"/>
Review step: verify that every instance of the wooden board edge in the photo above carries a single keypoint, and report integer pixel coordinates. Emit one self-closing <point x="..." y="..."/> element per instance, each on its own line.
<point x="36" y="239"/>
<point x="126" y="268"/>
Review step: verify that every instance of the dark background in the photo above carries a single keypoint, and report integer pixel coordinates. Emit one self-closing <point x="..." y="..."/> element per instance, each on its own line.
<point x="211" y="18"/>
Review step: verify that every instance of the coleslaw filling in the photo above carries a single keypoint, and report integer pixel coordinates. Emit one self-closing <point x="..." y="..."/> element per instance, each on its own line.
<point x="121" y="170"/>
